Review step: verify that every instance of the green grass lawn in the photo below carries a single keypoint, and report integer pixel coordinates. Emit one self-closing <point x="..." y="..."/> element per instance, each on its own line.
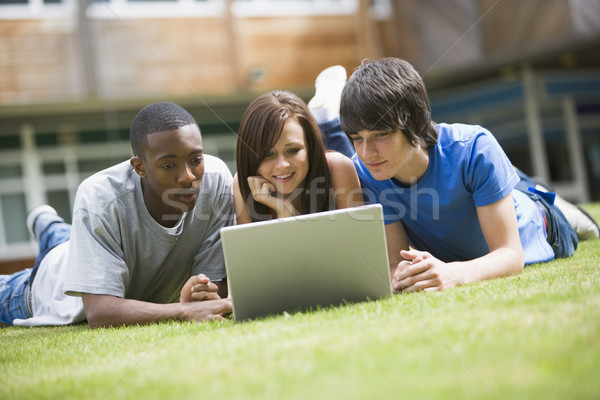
<point x="532" y="336"/>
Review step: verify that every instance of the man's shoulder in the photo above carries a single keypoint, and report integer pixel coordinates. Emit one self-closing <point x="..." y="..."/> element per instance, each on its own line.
<point x="459" y="133"/>
<point x="217" y="182"/>
<point x="461" y="142"/>
<point x="105" y="186"/>
<point x="215" y="166"/>
<point x="118" y="174"/>
<point x="217" y="176"/>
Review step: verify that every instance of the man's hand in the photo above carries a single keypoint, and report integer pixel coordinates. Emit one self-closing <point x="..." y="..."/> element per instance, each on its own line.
<point x="198" y="288"/>
<point x="206" y="310"/>
<point x="264" y="192"/>
<point x="422" y="271"/>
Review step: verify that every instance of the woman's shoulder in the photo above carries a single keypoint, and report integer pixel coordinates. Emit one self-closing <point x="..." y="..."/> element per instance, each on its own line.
<point x="337" y="161"/>
<point x="341" y="167"/>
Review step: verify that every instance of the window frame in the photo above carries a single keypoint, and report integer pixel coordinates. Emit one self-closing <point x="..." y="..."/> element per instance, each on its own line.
<point x="190" y="8"/>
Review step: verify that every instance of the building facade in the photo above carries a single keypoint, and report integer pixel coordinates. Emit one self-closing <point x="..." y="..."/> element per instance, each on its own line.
<point x="74" y="73"/>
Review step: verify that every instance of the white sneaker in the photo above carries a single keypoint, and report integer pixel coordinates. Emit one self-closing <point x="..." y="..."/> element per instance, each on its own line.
<point x="34" y="214"/>
<point x="583" y="224"/>
<point x="325" y="105"/>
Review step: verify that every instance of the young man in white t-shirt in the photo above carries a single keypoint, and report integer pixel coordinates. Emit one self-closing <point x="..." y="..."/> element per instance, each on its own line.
<point x="144" y="245"/>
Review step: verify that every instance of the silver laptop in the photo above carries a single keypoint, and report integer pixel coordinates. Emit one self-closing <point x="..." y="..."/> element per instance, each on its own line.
<point x="305" y="262"/>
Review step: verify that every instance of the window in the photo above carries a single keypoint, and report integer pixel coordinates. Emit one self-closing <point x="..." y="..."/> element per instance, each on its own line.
<point x="186" y="8"/>
<point x="47" y="171"/>
<point x="24" y="9"/>
<point x="293" y="7"/>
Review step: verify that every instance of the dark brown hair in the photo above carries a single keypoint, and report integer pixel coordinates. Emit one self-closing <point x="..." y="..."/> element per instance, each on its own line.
<point x="260" y="129"/>
<point x="388" y="95"/>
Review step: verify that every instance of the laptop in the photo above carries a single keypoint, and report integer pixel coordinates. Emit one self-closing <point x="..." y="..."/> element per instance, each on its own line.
<point x="306" y="262"/>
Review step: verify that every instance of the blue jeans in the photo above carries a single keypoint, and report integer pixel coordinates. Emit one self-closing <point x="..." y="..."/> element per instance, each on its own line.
<point x="561" y="235"/>
<point x="15" y="290"/>
<point x="334" y="138"/>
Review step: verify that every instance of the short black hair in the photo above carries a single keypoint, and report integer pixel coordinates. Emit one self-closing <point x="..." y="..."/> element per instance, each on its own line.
<point x="157" y="117"/>
<point x="388" y="95"/>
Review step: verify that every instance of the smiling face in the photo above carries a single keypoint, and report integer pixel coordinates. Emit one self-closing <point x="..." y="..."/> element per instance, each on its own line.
<point x="286" y="164"/>
<point x="389" y="155"/>
<point x="171" y="170"/>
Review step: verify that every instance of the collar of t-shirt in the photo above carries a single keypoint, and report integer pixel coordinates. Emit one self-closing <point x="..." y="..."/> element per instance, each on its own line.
<point x="176" y="229"/>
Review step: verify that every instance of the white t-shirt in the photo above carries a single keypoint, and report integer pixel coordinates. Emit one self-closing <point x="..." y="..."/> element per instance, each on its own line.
<point x="49" y="305"/>
<point x="118" y="249"/>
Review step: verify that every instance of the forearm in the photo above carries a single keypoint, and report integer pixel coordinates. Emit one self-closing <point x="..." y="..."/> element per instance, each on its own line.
<point x="501" y="262"/>
<point x="498" y="223"/>
<point x="105" y="311"/>
<point x="284" y="209"/>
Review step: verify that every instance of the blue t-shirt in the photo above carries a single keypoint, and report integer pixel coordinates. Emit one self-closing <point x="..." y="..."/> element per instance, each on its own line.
<point x="467" y="169"/>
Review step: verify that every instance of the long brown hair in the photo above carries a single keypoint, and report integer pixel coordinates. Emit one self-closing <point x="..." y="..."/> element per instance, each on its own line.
<point x="260" y="129"/>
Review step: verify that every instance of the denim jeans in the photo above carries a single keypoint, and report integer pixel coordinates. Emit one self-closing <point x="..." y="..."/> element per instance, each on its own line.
<point x="561" y="235"/>
<point x="334" y="138"/>
<point x="15" y="289"/>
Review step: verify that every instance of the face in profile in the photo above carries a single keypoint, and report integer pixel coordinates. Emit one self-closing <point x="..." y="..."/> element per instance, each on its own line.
<point x="286" y="164"/>
<point x="385" y="153"/>
<point x="172" y="170"/>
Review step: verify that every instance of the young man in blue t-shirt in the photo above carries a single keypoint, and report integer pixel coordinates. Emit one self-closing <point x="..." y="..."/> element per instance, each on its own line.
<point x="456" y="210"/>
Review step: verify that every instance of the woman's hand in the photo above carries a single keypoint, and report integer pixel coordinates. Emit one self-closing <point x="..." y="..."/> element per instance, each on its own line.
<point x="264" y="192"/>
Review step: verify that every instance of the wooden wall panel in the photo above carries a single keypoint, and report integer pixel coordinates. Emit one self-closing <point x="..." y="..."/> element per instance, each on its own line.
<point x="434" y="35"/>
<point x="585" y="16"/>
<point x="512" y="23"/>
<point x="11" y="266"/>
<point x="405" y="17"/>
<point x="291" y="51"/>
<point x="39" y="61"/>
<point x="161" y="57"/>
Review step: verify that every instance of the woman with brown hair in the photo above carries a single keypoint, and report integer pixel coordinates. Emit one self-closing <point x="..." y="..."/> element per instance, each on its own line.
<point x="282" y="166"/>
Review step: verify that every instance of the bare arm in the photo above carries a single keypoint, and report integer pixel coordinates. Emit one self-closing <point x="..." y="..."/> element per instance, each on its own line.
<point x="345" y="181"/>
<point x="422" y="271"/>
<point x="396" y="240"/>
<point x="241" y="211"/>
<point x="106" y="310"/>
<point x="498" y="223"/>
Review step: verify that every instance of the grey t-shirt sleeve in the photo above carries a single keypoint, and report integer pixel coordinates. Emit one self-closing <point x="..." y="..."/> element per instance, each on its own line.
<point x="96" y="261"/>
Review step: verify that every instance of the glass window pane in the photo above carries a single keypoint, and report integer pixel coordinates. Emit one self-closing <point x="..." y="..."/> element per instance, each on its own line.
<point x="59" y="199"/>
<point x="53" y="167"/>
<point x="14" y="214"/>
<point x="9" y="142"/>
<point x="96" y="165"/>
<point x="46" y="139"/>
<point x="11" y="171"/>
